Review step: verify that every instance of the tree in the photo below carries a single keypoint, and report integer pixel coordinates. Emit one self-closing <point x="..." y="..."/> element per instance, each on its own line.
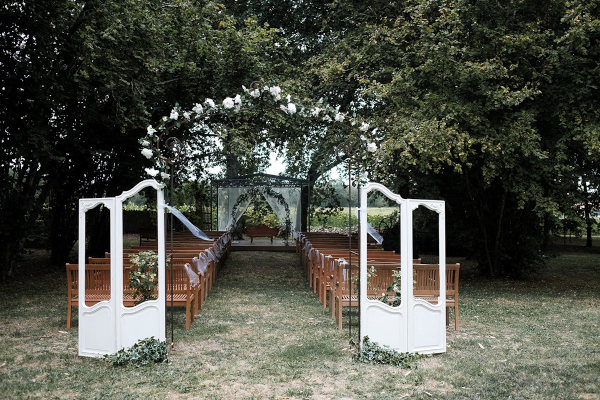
<point x="81" y="81"/>
<point x="484" y="101"/>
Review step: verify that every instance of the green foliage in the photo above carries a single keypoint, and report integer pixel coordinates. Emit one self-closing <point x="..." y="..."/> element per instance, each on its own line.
<point x="396" y="288"/>
<point x="370" y="273"/>
<point x="261" y="213"/>
<point x="492" y="107"/>
<point x="85" y="78"/>
<point x="480" y="108"/>
<point x="143" y="278"/>
<point x="144" y="352"/>
<point x="374" y="354"/>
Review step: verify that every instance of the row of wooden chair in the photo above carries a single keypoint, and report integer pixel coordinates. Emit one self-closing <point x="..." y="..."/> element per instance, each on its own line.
<point x="193" y="274"/>
<point x="332" y="269"/>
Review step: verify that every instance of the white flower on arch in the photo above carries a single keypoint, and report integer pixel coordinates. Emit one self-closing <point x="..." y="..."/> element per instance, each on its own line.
<point x="209" y="102"/>
<point x="275" y="92"/>
<point x="228" y="103"/>
<point x="147" y="153"/>
<point x="364" y="127"/>
<point x="198" y="108"/>
<point x="339" y="117"/>
<point x="150" y="130"/>
<point x="174" y="114"/>
<point x="152" y="172"/>
<point x="372" y="147"/>
<point x="291" y="108"/>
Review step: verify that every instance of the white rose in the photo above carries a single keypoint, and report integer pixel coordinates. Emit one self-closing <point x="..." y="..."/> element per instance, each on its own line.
<point x="150" y="130"/>
<point x="255" y="93"/>
<point x="174" y="114"/>
<point x="228" y="102"/>
<point x="152" y="172"/>
<point x="164" y="175"/>
<point x="339" y="117"/>
<point x="209" y="102"/>
<point x="283" y="108"/>
<point x="291" y="107"/>
<point x="371" y="147"/>
<point x="237" y="99"/>
<point x="315" y="111"/>
<point x="275" y="91"/>
<point x="363" y="138"/>
<point x="186" y="115"/>
<point x="147" y="153"/>
<point x="364" y="127"/>
<point x="164" y="119"/>
<point x="327" y="118"/>
<point x="145" y="143"/>
<point x="198" y="108"/>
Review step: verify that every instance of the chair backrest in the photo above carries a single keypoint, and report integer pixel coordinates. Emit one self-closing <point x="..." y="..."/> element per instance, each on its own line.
<point x="426" y="280"/>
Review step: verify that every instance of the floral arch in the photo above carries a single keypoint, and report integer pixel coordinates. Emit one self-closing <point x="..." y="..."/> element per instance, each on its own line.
<point x="196" y="122"/>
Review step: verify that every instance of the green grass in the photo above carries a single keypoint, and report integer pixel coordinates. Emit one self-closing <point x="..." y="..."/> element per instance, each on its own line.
<point x="263" y="334"/>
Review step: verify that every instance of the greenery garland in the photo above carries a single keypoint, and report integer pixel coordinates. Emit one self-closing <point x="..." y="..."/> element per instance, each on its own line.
<point x="144" y="352"/>
<point x="265" y="190"/>
<point x="373" y="354"/>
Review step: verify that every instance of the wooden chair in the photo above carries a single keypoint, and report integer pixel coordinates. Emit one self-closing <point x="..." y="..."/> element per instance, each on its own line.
<point x="97" y="288"/>
<point x="426" y="277"/>
<point x="425" y="286"/>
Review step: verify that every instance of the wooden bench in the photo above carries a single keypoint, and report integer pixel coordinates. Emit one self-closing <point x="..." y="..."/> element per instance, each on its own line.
<point x="425" y="286"/>
<point x="97" y="288"/>
<point x="261" y="231"/>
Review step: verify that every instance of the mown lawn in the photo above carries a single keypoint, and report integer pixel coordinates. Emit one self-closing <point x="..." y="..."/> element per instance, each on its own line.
<point x="263" y="334"/>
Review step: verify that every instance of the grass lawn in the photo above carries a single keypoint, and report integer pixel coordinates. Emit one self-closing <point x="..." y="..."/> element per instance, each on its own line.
<point x="263" y="334"/>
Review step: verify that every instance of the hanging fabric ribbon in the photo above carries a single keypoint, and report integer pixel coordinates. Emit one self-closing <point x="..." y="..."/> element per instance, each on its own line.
<point x="192" y="228"/>
<point x="374" y="234"/>
<point x="370" y="230"/>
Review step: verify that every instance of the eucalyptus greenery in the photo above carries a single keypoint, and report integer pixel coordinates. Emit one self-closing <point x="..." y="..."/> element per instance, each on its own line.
<point x="144" y="352"/>
<point x="372" y="353"/>
<point x="143" y="278"/>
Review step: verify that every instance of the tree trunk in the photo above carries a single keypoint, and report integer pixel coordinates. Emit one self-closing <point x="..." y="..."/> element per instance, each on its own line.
<point x="587" y="216"/>
<point x="497" y="242"/>
<point x="5" y="259"/>
<point x="305" y="195"/>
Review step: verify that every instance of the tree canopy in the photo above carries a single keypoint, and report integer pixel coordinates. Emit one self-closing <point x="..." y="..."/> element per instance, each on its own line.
<point x="491" y="106"/>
